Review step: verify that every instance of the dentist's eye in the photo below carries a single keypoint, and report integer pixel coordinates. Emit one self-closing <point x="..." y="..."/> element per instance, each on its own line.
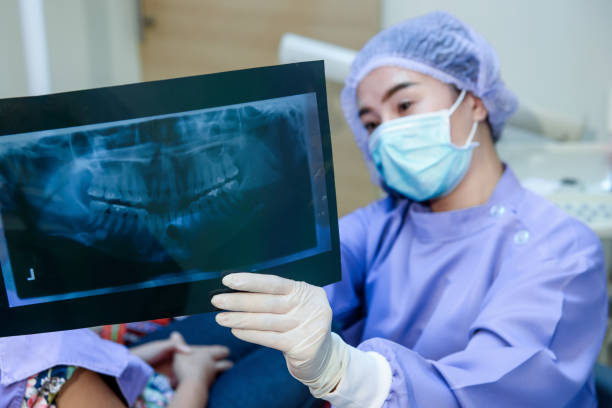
<point x="403" y="106"/>
<point x="370" y="126"/>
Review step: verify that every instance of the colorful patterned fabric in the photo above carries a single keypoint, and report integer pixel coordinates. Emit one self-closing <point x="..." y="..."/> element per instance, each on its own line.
<point x="157" y="393"/>
<point x="42" y="388"/>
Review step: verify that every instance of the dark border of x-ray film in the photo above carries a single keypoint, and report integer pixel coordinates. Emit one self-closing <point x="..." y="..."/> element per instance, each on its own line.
<point x="175" y="97"/>
<point x="308" y="104"/>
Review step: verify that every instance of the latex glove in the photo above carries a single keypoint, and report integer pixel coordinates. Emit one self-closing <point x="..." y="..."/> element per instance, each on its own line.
<point x="293" y="317"/>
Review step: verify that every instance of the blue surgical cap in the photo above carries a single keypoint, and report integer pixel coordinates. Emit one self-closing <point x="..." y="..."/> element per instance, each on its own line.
<point x="441" y="46"/>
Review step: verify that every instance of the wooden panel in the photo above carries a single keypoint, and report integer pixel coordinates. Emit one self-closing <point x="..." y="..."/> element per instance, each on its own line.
<point x="190" y="37"/>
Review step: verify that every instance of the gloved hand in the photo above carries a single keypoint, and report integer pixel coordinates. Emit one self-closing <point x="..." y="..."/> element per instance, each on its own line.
<point x="293" y="317"/>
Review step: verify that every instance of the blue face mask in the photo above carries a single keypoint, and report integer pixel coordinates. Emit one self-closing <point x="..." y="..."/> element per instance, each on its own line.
<point x="414" y="155"/>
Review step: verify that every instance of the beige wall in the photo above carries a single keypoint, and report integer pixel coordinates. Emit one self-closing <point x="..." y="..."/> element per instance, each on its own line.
<point x="189" y="37"/>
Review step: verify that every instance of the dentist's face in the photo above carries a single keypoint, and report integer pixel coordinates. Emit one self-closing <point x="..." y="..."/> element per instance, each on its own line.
<point x="389" y="93"/>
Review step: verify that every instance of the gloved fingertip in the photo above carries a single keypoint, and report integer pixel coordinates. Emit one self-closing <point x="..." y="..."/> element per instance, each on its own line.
<point x="221" y="318"/>
<point x="229" y="280"/>
<point x="216" y="301"/>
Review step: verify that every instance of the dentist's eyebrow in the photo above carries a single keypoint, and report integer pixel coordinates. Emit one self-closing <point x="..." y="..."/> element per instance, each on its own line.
<point x="396" y="88"/>
<point x="387" y="95"/>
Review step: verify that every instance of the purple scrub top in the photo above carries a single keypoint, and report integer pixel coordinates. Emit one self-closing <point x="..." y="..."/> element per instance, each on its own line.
<point x="500" y="305"/>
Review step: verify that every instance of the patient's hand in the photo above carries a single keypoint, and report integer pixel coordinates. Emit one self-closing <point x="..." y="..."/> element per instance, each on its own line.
<point x="195" y="373"/>
<point x="202" y="365"/>
<point x="161" y="351"/>
<point x="191" y="369"/>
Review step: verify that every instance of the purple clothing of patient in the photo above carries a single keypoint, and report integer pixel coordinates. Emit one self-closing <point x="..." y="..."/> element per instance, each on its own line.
<point x="23" y="356"/>
<point x="500" y="305"/>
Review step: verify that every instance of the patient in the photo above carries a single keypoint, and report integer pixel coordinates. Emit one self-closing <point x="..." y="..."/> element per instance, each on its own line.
<point x="77" y="368"/>
<point x="163" y="369"/>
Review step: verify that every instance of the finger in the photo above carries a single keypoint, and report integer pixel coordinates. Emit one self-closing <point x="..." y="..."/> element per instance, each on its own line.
<point x="155" y="351"/>
<point x="223" y="365"/>
<point x="257" y="321"/>
<point x="179" y="342"/>
<point x="259" y="283"/>
<point x="270" y="339"/>
<point x="217" y="352"/>
<point x="177" y="338"/>
<point x="252" y="302"/>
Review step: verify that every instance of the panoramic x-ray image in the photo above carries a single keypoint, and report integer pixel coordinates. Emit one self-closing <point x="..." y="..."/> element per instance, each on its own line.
<point x="160" y="200"/>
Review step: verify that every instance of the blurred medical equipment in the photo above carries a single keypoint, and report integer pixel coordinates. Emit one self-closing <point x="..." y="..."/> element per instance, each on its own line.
<point x="295" y="48"/>
<point x="546" y="123"/>
<point x="574" y="175"/>
<point x="577" y="176"/>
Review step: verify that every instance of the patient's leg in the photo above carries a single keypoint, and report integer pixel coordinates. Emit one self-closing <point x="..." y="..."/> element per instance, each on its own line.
<point x="87" y="389"/>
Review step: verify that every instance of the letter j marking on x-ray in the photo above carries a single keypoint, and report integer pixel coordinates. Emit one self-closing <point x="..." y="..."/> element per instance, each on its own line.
<point x="31" y="277"/>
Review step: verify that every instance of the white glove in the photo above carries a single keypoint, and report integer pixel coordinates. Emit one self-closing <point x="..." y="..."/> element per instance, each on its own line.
<point x="293" y="317"/>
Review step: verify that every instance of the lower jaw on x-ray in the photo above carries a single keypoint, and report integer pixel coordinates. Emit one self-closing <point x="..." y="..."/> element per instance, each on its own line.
<point x="161" y="200"/>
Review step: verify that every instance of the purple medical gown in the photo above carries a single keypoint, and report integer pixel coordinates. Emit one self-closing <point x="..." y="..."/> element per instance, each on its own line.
<point x="500" y="305"/>
<point x="23" y="356"/>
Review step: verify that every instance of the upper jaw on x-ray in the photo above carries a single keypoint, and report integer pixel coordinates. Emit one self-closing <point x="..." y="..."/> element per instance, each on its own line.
<point x="174" y="188"/>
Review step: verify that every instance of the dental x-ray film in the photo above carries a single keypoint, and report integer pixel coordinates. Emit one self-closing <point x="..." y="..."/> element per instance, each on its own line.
<point x="132" y="202"/>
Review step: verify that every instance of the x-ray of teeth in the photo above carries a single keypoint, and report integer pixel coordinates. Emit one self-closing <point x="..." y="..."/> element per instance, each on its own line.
<point x="180" y="190"/>
<point x="151" y="190"/>
<point x="160" y="206"/>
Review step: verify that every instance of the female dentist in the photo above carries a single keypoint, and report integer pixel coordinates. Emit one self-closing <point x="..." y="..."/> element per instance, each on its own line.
<point x="471" y="291"/>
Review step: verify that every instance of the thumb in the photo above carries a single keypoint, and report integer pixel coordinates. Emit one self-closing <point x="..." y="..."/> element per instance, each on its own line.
<point x="223" y="365"/>
<point x="179" y="343"/>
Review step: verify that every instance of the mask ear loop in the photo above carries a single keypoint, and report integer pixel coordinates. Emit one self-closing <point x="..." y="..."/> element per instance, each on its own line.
<point x="471" y="136"/>
<point x="457" y="103"/>
<point x="474" y="126"/>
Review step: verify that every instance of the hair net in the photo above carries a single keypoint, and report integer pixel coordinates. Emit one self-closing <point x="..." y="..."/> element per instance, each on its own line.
<point x="441" y="46"/>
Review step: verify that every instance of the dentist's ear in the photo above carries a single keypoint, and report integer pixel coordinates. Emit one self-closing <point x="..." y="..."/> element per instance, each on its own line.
<point x="479" y="112"/>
